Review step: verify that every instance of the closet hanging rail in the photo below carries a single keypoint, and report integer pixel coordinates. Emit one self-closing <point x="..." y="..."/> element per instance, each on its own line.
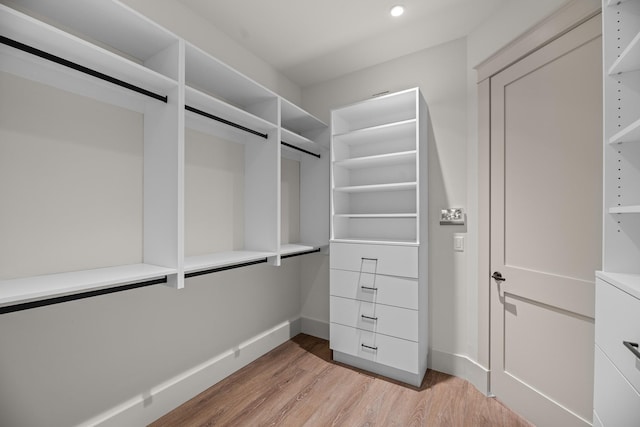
<point x="300" y="253"/>
<point x="225" y="121"/>
<point x="226" y="267"/>
<point x="300" y="149"/>
<point x="58" y="60"/>
<point x="81" y="295"/>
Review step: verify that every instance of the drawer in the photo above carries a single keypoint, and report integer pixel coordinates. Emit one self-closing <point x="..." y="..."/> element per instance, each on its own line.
<point x="381" y="259"/>
<point x="383" y="319"/>
<point x="618" y="320"/>
<point x="615" y="402"/>
<point x="389" y="290"/>
<point x="386" y="350"/>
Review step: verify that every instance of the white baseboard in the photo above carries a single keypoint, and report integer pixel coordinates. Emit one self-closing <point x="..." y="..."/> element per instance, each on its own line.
<point x="460" y="366"/>
<point x="315" y="328"/>
<point x="151" y="405"/>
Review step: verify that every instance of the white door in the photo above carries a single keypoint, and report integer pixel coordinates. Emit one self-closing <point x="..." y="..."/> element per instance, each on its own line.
<point x="546" y="197"/>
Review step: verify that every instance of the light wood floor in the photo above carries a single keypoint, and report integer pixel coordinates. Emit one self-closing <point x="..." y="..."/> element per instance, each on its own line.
<point x="297" y="384"/>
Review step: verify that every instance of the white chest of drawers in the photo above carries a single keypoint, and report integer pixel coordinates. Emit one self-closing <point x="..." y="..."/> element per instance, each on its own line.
<point x="617" y="366"/>
<point x="378" y="261"/>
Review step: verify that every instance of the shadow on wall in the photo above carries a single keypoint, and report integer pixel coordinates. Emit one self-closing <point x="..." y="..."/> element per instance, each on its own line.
<point x="446" y="267"/>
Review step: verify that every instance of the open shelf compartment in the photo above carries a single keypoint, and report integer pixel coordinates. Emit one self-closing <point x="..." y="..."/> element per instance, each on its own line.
<point x="211" y="76"/>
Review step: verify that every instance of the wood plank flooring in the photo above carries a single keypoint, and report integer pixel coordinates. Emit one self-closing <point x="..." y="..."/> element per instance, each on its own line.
<point x="297" y="384"/>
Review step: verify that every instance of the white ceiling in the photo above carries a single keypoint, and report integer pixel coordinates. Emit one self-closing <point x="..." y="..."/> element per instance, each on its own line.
<point x="311" y="41"/>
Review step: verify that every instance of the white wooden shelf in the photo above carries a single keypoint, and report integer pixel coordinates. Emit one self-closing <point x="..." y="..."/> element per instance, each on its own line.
<point x="391" y="159"/>
<point x="629" y="134"/>
<point x="18" y="291"/>
<point x="629" y="283"/>
<point x="300" y="142"/>
<point x="398" y="186"/>
<point x="209" y="75"/>
<point x="29" y="31"/>
<point x="379" y="133"/>
<point x="391" y="108"/>
<point x="625" y="210"/>
<point x="107" y="40"/>
<point x="616" y="2"/>
<point x="629" y="59"/>
<point x="222" y="259"/>
<point x="378" y="215"/>
<point x="209" y="104"/>
<point x="375" y="241"/>
<point x="296" y="120"/>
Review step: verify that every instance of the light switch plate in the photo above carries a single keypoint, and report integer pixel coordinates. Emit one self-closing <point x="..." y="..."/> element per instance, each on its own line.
<point x="458" y="242"/>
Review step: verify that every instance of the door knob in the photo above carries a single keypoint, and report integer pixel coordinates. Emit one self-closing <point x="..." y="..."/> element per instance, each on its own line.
<point x="498" y="276"/>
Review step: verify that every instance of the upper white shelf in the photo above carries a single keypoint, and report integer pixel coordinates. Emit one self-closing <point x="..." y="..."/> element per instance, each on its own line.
<point x="136" y="37"/>
<point x="297" y="120"/>
<point x="210" y="105"/>
<point x="18" y="291"/>
<point x="396" y="186"/>
<point x="385" y="109"/>
<point x="616" y="2"/>
<point x="387" y="132"/>
<point x="625" y="210"/>
<point x="629" y="59"/>
<point x="629" y="283"/>
<point x="400" y="158"/>
<point x="301" y="142"/>
<point x="378" y="215"/>
<point x="217" y="79"/>
<point x="376" y="241"/>
<point x="629" y="134"/>
<point x="28" y="31"/>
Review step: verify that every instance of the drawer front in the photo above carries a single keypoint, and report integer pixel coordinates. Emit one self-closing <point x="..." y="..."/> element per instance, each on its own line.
<point x="383" y="319"/>
<point x="381" y="259"/>
<point x="389" y="290"/>
<point x="616" y="403"/>
<point x="618" y="320"/>
<point x="394" y="352"/>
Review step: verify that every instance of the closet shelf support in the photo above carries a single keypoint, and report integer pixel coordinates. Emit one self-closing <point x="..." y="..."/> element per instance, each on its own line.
<point x="75" y="66"/>
<point x="225" y="121"/>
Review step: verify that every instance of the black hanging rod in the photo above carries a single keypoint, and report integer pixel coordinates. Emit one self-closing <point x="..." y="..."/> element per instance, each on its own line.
<point x="300" y="253"/>
<point x="225" y="121"/>
<point x="300" y="149"/>
<point x="81" y="295"/>
<point x="58" y="60"/>
<point x="226" y="267"/>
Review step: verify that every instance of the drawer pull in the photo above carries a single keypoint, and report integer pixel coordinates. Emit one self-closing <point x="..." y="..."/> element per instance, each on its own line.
<point x="369" y="347"/>
<point x="633" y="348"/>
<point x="368" y="288"/>
<point x="369" y="259"/>
<point x="375" y="319"/>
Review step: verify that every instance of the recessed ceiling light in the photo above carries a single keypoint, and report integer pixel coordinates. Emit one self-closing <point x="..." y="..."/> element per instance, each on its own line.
<point x="397" y="10"/>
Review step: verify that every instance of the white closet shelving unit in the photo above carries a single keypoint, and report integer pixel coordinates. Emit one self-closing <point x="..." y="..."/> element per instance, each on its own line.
<point x="105" y="51"/>
<point x="306" y="139"/>
<point x="379" y="227"/>
<point x="618" y="285"/>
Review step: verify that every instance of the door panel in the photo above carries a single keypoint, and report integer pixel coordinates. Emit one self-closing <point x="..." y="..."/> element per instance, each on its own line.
<point x="546" y="195"/>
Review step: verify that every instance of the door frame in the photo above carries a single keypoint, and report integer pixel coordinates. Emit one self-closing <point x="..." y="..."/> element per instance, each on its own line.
<point x="571" y="15"/>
